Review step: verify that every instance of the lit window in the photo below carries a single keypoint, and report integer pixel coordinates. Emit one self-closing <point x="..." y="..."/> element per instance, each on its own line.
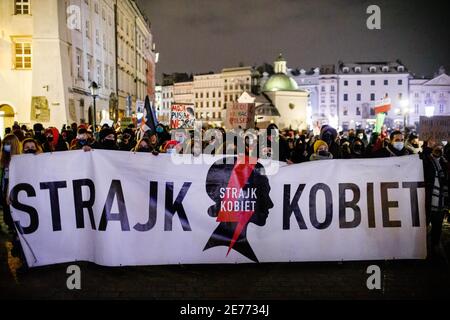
<point x="22" y="53"/>
<point x="79" y="63"/>
<point x="22" y="7"/>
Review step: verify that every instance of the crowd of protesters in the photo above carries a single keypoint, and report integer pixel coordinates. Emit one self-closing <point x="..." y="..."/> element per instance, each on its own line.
<point x="293" y="147"/>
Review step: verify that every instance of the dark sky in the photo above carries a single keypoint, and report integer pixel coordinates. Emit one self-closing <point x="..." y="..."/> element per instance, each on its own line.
<point x="197" y="36"/>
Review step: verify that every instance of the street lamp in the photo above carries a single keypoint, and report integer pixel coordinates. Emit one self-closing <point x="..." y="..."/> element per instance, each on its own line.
<point x="405" y="104"/>
<point x="94" y="93"/>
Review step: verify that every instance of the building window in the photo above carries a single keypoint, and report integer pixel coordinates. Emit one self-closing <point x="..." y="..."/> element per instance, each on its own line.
<point x="332" y="88"/>
<point x="372" y="97"/>
<point x="89" y="68"/>
<point x="372" y="111"/>
<point x="372" y="82"/>
<point x="214" y="115"/>
<point x="358" y="97"/>
<point x="88" y="29"/>
<point x="207" y="95"/>
<point x="220" y="104"/>
<point x="22" y="53"/>
<point x="214" y="94"/>
<point x="323" y="89"/>
<point x="441" y="108"/>
<point x="358" y="111"/>
<point x="207" y="104"/>
<point x="416" y="95"/>
<point x="400" y="96"/>
<point x="400" y="82"/>
<point x="196" y="95"/>
<point x="220" y="94"/>
<point x="358" y="83"/>
<point x="106" y="77"/>
<point x="345" y="97"/>
<point x="345" y="111"/>
<point x="22" y="7"/>
<point x="345" y="83"/>
<point x="79" y="63"/>
<point x="386" y="82"/>
<point x="97" y="37"/>
<point x="416" y="109"/>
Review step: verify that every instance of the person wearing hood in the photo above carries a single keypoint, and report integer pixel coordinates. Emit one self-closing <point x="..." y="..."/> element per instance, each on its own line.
<point x="107" y="138"/>
<point x="18" y="132"/>
<point x="412" y="144"/>
<point x="39" y="136"/>
<point x="273" y="136"/>
<point x="321" y="151"/>
<point x="54" y="141"/>
<point x="346" y="149"/>
<point x="329" y="135"/>
<point x="395" y="147"/>
<point x="358" y="149"/>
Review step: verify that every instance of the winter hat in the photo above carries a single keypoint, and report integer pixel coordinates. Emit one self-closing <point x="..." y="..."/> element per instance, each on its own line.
<point x="318" y="144"/>
<point x="106" y="132"/>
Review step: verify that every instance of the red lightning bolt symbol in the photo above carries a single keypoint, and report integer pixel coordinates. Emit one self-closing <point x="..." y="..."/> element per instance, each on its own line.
<point x="239" y="177"/>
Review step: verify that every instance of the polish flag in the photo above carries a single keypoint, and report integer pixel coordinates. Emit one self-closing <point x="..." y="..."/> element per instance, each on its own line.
<point x="384" y="105"/>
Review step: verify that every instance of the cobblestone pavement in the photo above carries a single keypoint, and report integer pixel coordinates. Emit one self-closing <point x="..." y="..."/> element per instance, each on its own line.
<point x="279" y="281"/>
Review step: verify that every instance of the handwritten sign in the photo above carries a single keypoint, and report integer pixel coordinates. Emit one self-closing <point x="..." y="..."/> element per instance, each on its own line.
<point x="241" y="115"/>
<point x="182" y="116"/>
<point x="437" y="127"/>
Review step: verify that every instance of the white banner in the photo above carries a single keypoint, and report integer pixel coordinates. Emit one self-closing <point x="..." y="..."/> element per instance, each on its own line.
<point x="120" y="208"/>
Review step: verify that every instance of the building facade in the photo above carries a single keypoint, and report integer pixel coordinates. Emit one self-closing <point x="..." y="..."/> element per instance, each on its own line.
<point x="183" y="92"/>
<point x="361" y="85"/>
<point x="236" y="81"/>
<point x="429" y="97"/>
<point x="167" y="98"/>
<point x="76" y="41"/>
<point x="209" y="98"/>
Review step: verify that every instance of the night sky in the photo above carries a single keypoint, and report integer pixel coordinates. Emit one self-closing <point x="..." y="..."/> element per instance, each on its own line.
<point x="196" y="36"/>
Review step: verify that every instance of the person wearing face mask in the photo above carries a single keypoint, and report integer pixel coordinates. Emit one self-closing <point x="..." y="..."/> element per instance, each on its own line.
<point x="81" y="141"/>
<point x="31" y="146"/>
<point x="321" y="151"/>
<point x="11" y="147"/>
<point x="329" y="135"/>
<point x="362" y="136"/>
<point x="412" y="144"/>
<point x="143" y="145"/>
<point x="107" y="138"/>
<point x="54" y="141"/>
<point x="395" y="147"/>
<point x="437" y="184"/>
<point x="358" y="149"/>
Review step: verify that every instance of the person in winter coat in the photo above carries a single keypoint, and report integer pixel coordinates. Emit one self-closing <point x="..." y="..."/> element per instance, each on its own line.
<point x="54" y="141"/>
<point x="321" y="151"/>
<point x="395" y="148"/>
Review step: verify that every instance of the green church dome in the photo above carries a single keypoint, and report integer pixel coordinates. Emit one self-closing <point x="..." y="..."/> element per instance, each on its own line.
<point x="280" y="82"/>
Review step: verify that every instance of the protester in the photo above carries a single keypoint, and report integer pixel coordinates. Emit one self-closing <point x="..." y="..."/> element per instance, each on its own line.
<point x="395" y="148"/>
<point x="437" y="185"/>
<point x="108" y="139"/>
<point x="11" y="146"/>
<point x="412" y="144"/>
<point x="31" y="146"/>
<point x="54" y="141"/>
<point x="321" y="151"/>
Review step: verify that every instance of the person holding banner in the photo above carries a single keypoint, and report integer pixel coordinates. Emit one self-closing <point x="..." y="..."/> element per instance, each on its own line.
<point x="31" y="146"/>
<point x="395" y="148"/>
<point x="11" y="147"/>
<point x="437" y="184"/>
<point x="321" y="151"/>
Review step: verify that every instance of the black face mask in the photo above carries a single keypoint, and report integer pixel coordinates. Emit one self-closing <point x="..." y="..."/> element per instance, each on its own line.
<point x="50" y="138"/>
<point x="30" y="151"/>
<point x="415" y="145"/>
<point x="357" y="148"/>
<point x="324" y="153"/>
<point x="144" y="149"/>
<point x="82" y="142"/>
<point x="109" y="143"/>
